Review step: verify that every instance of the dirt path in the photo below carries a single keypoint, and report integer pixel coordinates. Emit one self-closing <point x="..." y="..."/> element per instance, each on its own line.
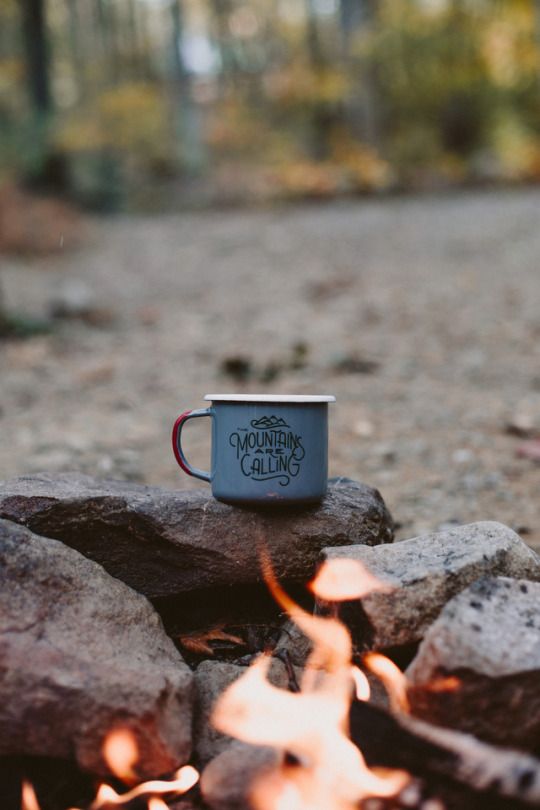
<point x="421" y="315"/>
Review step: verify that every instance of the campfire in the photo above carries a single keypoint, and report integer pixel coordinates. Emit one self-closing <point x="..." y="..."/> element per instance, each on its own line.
<point x="318" y="764"/>
<point x="406" y="676"/>
<point x="320" y="767"/>
<point x="311" y="726"/>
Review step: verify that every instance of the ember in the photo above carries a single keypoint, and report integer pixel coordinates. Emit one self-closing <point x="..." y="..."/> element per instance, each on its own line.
<point x="120" y="753"/>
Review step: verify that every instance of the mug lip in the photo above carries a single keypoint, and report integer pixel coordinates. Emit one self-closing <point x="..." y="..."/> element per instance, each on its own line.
<point x="301" y="398"/>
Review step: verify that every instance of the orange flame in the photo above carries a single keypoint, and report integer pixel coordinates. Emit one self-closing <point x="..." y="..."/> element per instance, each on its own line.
<point x="28" y="799"/>
<point x="120" y="753"/>
<point x="361" y="684"/>
<point x="448" y="683"/>
<point x="184" y="779"/>
<point x="312" y="725"/>
<point x="157" y="804"/>
<point x="339" y="580"/>
<point x="392" y="677"/>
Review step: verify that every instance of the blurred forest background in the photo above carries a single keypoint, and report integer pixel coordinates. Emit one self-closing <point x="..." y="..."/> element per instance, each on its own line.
<point x="139" y="104"/>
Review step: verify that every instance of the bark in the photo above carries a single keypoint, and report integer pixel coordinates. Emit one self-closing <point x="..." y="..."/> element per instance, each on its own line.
<point x="187" y="121"/>
<point x="37" y="54"/>
<point x="362" y="110"/>
<point x="77" y="52"/>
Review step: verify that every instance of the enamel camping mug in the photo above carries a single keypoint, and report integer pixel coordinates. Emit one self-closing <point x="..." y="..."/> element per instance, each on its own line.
<point x="265" y="448"/>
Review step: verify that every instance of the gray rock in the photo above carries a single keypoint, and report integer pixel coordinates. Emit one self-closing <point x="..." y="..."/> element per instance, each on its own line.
<point x="227" y="781"/>
<point x="425" y="573"/>
<point x="73" y="298"/>
<point x="81" y="654"/>
<point x="478" y="668"/>
<point x="212" y="678"/>
<point x="163" y="543"/>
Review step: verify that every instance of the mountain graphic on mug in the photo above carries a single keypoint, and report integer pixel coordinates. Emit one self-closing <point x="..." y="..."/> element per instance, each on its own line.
<point x="269" y="449"/>
<point x="266" y="422"/>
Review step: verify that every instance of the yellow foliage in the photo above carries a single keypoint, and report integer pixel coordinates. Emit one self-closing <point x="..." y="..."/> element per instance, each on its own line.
<point x="11" y="70"/>
<point x="517" y="149"/>
<point x="130" y="117"/>
<point x="300" y="84"/>
<point x="352" y="167"/>
<point x="9" y="9"/>
<point x="234" y="127"/>
<point x="510" y="49"/>
<point x="309" y="179"/>
<point x="364" y="167"/>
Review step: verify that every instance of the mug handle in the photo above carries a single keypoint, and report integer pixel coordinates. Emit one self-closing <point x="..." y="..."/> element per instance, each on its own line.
<point x="177" y="446"/>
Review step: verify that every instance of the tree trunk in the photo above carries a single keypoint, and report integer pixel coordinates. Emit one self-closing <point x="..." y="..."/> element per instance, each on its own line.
<point x="362" y="111"/>
<point x="76" y="44"/>
<point x="313" y="38"/>
<point x="351" y="17"/>
<point x="105" y="26"/>
<point x="37" y="54"/>
<point x="187" y="123"/>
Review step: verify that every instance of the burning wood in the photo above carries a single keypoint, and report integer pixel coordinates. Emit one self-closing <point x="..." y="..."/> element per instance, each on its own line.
<point x="485" y="774"/>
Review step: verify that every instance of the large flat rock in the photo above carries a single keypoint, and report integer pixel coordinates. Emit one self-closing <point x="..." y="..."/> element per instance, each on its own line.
<point x="478" y="667"/>
<point x="81" y="654"/>
<point x="163" y="543"/>
<point x="424" y="573"/>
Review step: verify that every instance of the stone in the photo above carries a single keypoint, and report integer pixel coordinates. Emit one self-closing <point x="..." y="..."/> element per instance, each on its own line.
<point x="478" y="667"/>
<point x="227" y="781"/>
<point x="73" y="298"/>
<point x="425" y="572"/>
<point x="164" y="543"/>
<point x="212" y="678"/>
<point x="82" y="654"/>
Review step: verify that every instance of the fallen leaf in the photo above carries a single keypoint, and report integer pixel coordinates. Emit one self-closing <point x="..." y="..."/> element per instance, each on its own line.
<point x="199" y="642"/>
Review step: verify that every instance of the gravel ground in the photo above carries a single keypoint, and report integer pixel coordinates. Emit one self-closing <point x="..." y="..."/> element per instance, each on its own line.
<point x="422" y="315"/>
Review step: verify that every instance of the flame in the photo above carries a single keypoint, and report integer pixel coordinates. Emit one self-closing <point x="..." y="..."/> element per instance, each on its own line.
<point x="361" y="684"/>
<point x="120" y="753"/>
<point x="184" y="779"/>
<point x="392" y="677"/>
<point x="448" y="683"/>
<point x="339" y="580"/>
<point x="312" y="724"/>
<point x="157" y="804"/>
<point x="28" y="799"/>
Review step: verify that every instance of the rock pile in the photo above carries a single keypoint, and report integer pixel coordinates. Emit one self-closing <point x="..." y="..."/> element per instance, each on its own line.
<point x="82" y="652"/>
